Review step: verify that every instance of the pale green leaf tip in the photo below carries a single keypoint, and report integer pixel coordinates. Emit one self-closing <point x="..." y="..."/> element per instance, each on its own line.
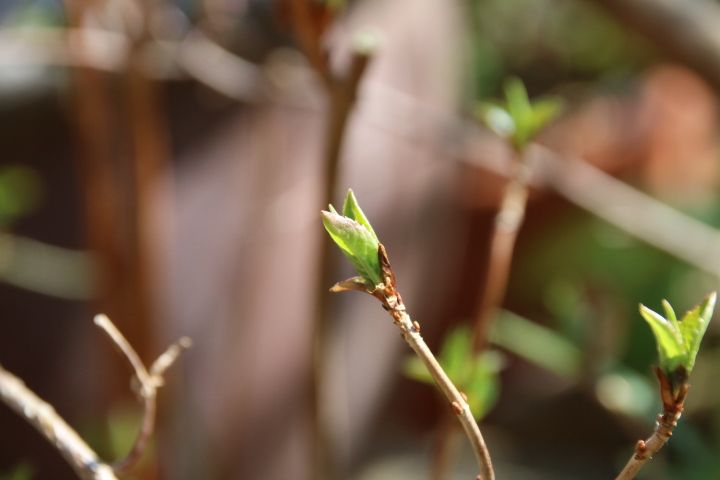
<point x="669" y="312"/>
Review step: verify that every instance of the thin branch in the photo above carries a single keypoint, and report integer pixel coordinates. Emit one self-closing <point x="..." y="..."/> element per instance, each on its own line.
<point x="46" y="420"/>
<point x="666" y="423"/>
<point x="508" y="221"/>
<point x="629" y="209"/>
<point x="342" y="91"/>
<point x="392" y="302"/>
<point x="147" y="384"/>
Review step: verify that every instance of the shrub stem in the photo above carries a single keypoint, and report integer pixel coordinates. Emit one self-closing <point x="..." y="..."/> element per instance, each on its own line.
<point x="673" y="403"/>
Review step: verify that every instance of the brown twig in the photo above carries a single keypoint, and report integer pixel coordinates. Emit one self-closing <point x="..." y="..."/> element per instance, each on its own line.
<point x="41" y="415"/>
<point x="673" y="402"/>
<point x="146" y="387"/>
<point x="342" y="90"/>
<point x="508" y="221"/>
<point x="392" y="302"/>
<point x="71" y="446"/>
<point x="502" y="245"/>
<point x="444" y="448"/>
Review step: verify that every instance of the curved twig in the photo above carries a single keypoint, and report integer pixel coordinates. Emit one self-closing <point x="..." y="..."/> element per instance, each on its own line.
<point x="46" y="420"/>
<point x="146" y="387"/>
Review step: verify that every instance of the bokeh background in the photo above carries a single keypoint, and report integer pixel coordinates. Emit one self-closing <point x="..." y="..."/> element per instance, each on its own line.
<point x="162" y="162"/>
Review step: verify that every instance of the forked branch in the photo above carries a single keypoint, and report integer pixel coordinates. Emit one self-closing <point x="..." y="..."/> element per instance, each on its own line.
<point x="51" y="425"/>
<point x="83" y="459"/>
<point x="145" y="384"/>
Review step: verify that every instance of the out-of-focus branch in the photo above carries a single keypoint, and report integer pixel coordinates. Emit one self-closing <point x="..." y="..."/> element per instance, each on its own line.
<point x="629" y="209"/>
<point x="508" y="221"/>
<point x="71" y="446"/>
<point x="47" y="269"/>
<point x="146" y="387"/>
<point x="688" y="30"/>
<point x="63" y="47"/>
<point x="46" y="420"/>
<point x="597" y="192"/>
<point x="612" y="200"/>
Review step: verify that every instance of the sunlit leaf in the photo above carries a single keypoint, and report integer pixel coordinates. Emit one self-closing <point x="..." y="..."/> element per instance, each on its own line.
<point x="518" y="103"/>
<point x="693" y="326"/>
<point x="671" y="350"/>
<point x="358" y="244"/>
<point x="352" y="210"/>
<point x="496" y="119"/>
<point x="518" y="120"/>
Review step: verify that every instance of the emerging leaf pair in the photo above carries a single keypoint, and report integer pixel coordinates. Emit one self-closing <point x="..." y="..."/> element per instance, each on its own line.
<point x="517" y="119"/>
<point x="353" y="233"/>
<point x="678" y="341"/>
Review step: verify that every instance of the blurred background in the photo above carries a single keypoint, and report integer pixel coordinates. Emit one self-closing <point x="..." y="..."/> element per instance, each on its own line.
<point x="165" y="162"/>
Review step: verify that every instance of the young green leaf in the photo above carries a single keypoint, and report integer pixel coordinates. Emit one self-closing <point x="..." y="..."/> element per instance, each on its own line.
<point x="670" y="313"/>
<point x="358" y="244"/>
<point x="351" y="209"/>
<point x="518" y="103"/>
<point x="518" y="120"/>
<point x="496" y="118"/>
<point x="693" y="326"/>
<point x="671" y="350"/>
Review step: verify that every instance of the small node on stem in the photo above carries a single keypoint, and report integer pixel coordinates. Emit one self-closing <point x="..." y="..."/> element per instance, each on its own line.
<point x="416" y="326"/>
<point x="457" y="408"/>
<point x="464" y="395"/>
<point x="640" y="447"/>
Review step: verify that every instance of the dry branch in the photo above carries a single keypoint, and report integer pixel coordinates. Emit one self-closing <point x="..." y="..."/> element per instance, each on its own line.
<point x="673" y="404"/>
<point x="146" y="387"/>
<point x="392" y="302"/>
<point x="71" y="446"/>
<point x="50" y="424"/>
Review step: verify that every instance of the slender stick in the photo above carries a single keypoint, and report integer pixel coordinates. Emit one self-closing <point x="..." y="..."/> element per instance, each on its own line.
<point x="645" y="449"/>
<point x="392" y="302"/>
<point x="342" y="91"/>
<point x="673" y="403"/>
<point x="46" y="420"/>
<point x="147" y="384"/>
<point x="508" y="221"/>
<point x="444" y="448"/>
<point x="411" y="334"/>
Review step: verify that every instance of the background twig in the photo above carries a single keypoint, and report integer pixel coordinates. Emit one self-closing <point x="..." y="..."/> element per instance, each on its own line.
<point x="46" y="420"/>
<point x="147" y="384"/>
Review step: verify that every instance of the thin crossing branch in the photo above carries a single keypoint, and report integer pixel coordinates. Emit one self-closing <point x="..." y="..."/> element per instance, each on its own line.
<point x="41" y="415"/>
<point x="146" y="385"/>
